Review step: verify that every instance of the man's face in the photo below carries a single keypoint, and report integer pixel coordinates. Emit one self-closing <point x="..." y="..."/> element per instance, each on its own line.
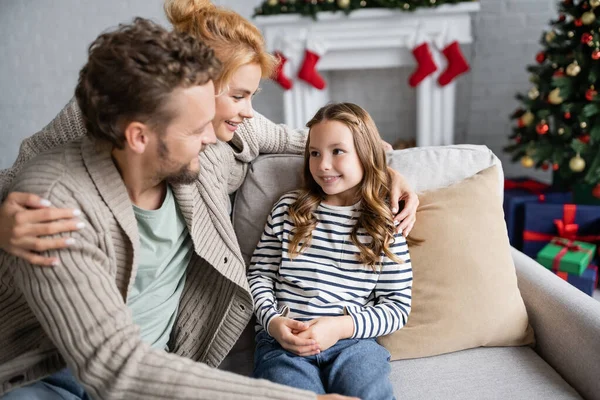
<point x="187" y="134"/>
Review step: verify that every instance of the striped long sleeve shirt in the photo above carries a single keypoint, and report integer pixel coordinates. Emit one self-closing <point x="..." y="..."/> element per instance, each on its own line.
<point x="327" y="279"/>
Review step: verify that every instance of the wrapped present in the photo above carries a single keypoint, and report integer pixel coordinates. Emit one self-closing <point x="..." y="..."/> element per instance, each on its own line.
<point x="587" y="282"/>
<point x="517" y="192"/>
<point x="566" y="255"/>
<point x="546" y="221"/>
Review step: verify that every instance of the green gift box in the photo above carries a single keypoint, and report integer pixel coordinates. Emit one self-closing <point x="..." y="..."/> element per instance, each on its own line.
<point x="566" y="255"/>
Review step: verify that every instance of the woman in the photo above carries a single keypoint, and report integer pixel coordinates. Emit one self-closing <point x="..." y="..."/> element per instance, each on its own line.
<point x="239" y="45"/>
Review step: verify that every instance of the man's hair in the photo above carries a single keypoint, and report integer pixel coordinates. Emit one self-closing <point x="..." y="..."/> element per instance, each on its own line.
<point x="131" y="72"/>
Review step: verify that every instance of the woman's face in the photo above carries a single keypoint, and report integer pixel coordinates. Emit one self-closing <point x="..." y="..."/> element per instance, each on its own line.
<point x="234" y="105"/>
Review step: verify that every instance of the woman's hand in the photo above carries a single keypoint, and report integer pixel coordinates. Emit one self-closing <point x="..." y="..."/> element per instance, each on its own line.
<point x="401" y="191"/>
<point x="24" y="217"/>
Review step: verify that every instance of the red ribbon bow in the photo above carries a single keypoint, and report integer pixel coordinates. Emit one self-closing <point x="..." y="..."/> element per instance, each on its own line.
<point x="567" y="245"/>
<point x="567" y="228"/>
<point x="529" y="185"/>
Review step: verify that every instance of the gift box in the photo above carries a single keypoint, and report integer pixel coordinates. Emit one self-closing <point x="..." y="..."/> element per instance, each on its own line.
<point x="518" y="192"/>
<point x="587" y="282"/>
<point x="566" y="255"/>
<point x="545" y="221"/>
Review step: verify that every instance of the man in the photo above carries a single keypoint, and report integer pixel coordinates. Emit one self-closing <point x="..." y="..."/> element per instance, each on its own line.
<point x="156" y="266"/>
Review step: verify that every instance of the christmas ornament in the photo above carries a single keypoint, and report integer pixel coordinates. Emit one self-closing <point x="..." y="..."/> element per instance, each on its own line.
<point x="540" y="57"/>
<point x="584" y="138"/>
<point x="570" y="34"/>
<point x="587" y="38"/>
<point x="555" y="167"/>
<point x="562" y="17"/>
<point x="561" y="131"/>
<point x="425" y="64"/>
<point x="527" y="162"/>
<point x="527" y="118"/>
<point x="583" y="125"/>
<point x="457" y="65"/>
<point x="533" y="93"/>
<point x="590" y="94"/>
<point x="315" y="49"/>
<point x="279" y="75"/>
<point x="594" y="3"/>
<point x="577" y="164"/>
<point x="558" y="73"/>
<point x="542" y="128"/>
<point x="573" y="69"/>
<point x="567" y="115"/>
<point x="554" y="97"/>
<point x="343" y="3"/>
<point x="272" y="3"/>
<point x="578" y="22"/>
<point x="596" y="54"/>
<point x="596" y="191"/>
<point x="550" y="36"/>
<point x="588" y="17"/>
<point x="545" y="166"/>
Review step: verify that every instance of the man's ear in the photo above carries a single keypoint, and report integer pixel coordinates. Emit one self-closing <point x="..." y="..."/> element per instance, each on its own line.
<point x="136" y="136"/>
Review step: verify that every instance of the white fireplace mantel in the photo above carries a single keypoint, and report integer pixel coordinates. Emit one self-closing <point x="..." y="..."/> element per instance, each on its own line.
<point x="373" y="38"/>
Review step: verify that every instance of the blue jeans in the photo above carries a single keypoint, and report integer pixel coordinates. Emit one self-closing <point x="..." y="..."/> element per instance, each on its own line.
<point x="351" y="367"/>
<point x="60" y="386"/>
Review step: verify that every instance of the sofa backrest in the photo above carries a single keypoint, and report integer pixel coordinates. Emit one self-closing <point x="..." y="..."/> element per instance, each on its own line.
<point x="424" y="168"/>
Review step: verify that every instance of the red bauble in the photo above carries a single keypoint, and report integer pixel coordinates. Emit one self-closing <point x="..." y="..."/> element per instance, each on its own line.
<point x="584" y="138"/>
<point x="596" y="54"/>
<point x="578" y="22"/>
<point x="542" y="128"/>
<point x="596" y="191"/>
<point x="518" y="139"/>
<point x="590" y="94"/>
<point x="567" y="115"/>
<point x="520" y="123"/>
<point x="545" y="167"/>
<point x="558" y="73"/>
<point x="586" y="38"/>
<point x="540" y="57"/>
<point x="585" y="6"/>
<point x="555" y="167"/>
<point x="562" y="18"/>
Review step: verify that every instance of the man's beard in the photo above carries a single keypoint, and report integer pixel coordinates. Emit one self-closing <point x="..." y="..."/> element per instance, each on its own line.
<point x="184" y="176"/>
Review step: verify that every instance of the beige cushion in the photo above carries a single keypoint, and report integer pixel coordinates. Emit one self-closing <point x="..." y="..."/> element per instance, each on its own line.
<point x="465" y="286"/>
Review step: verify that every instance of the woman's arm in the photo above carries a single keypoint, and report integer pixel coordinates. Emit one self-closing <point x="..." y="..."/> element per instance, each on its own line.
<point x="23" y="216"/>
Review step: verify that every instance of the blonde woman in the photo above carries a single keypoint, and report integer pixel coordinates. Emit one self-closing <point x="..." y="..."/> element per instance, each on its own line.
<point x="330" y="258"/>
<point x="239" y="45"/>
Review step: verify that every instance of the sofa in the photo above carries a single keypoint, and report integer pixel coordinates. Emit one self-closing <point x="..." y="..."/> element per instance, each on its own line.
<point x="564" y="363"/>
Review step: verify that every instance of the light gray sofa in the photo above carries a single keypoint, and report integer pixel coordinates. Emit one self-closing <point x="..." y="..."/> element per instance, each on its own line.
<point x="565" y="363"/>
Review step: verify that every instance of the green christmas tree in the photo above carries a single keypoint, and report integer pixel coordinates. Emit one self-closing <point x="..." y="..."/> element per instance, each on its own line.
<point x="558" y="125"/>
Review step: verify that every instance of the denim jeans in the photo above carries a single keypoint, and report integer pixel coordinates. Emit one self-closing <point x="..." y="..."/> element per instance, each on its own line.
<point x="60" y="386"/>
<point x="351" y="367"/>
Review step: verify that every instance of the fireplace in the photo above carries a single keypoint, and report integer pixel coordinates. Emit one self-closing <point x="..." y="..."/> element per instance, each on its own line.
<point x="374" y="38"/>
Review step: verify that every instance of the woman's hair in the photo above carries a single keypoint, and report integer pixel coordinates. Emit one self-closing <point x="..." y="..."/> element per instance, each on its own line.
<point x="131" y="73"/>
<point x="376" y="217"/>
<point x="234" y="39"/>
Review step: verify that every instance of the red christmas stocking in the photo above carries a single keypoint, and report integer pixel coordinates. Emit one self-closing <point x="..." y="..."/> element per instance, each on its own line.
<point x="457" y="64"/>
<point x="279" y="75"/>
<point x="425" y="64"/>
<point x="308" y="72"/>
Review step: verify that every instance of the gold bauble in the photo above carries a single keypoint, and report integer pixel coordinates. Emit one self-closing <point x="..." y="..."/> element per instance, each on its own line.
<point x="533" y="93"/>
<point x="554" y="97"/>
<point x="577" y="164"/>
<point x="594" y="3"/>
<point x="588" y="17"/>
<point x="550" y="36"/>
<point x="573" y="69"/>
<point x="570" y="34"/>
<point x="561" y="131"/>
<point x="527" y="118"/>
<point x="527" y="161"/>
<point x="273" y="3"/>
<point x="583" y="125"/>
<point x="343" y="3"/>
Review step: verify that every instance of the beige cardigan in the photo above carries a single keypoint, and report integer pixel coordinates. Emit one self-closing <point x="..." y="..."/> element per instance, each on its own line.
<point x="75" y="313"/>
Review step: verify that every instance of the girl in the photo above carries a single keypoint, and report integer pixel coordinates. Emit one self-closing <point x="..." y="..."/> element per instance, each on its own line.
<point x="330" y="258"/>
<point x="239" y="45"/>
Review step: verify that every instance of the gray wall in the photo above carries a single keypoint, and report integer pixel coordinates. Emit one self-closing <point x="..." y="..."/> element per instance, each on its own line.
<point x="43" y="45"/>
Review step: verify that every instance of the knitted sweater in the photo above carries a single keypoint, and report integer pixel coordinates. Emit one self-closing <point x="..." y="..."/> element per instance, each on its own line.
<point x="75" y="313"/>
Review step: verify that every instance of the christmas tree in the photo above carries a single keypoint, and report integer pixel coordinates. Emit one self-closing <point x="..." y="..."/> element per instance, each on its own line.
<point x="558" y="123"/>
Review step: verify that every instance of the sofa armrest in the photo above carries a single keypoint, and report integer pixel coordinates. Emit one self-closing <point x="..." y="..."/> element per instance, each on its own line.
<point x="566" y="323"/>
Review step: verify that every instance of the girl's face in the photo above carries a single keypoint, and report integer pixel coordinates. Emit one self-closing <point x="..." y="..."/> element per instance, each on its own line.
<point x="235" y="104"/>
<point x="334" y="163"/>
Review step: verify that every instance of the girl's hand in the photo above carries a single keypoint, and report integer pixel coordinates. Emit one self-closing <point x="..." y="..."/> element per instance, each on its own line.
<point x="327" y="331"/>
<point x="282" y="328"/>
<point x="401" y="191"/>
<point x="24" y="217"/>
